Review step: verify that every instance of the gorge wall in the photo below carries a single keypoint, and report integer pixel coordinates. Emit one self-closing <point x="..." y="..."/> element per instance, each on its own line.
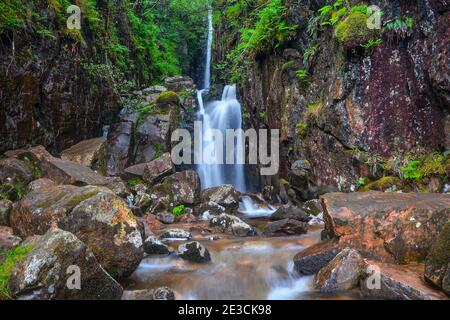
<point x="338" y="105"/>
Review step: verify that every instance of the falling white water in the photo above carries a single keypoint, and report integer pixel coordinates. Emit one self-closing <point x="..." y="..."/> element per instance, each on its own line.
<point x="251" y="209"/>
<point x="220" y="115"/>
<point x="207" y="78"/>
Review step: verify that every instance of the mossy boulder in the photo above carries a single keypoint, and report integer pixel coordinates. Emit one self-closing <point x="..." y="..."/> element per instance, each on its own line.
<point x="352" y="31"/>
<point x="167" y="98"/>
<point x="437" y="263"/>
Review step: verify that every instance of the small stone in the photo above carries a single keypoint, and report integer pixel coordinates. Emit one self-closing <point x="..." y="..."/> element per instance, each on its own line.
<point x="152" y="245"/>
<point x="194" y="251"/>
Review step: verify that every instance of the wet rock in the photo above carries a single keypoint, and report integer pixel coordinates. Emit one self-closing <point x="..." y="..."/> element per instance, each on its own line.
<point x="437" y="263"/>
<point x="36" y="155"/>
<point x="41" y="185"/>
<point x="44" y="207"/>
<point x="89" y="153"/>
<point x="157" y="169"/>
<point x="285" y="227"/>
<point x="175" y="234"/>
<point x="162" y="293"/>
<point x="290" y="212"/>
<point x="224" y="195"/>
<point x="341" y="273"/>
<point x="118" y="149"/>
<point x="48" y="267"/>
<point x="106" y="225"/>
<point x="95" y="215"/>
<point x="185" y="187"/>
<point x="315" y="257"/>
<point x="118" y="186"/>
<point x="312" y="207"/>
<point x="232" y="225"/>
<point x="5" y="210"/>
<point x="399" y="227"/>
<point x="394" y="282"/>
<point x="165" y="217"/>
<point x="16" y="171"/>
<point x="68" y="172"/>
<point x="194" y="251"/>
<point x="209" y="208"/>
<point x="152" y="245"/>
<point x="301" y="168"/>
<point x="179" y="83"/>
<point x="7" y="239"/>
<point x="136" y="171"/>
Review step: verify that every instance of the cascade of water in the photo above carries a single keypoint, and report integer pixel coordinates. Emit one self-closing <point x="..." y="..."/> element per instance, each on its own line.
<point x="207" y="78"/>
<point x="221" y="115"/>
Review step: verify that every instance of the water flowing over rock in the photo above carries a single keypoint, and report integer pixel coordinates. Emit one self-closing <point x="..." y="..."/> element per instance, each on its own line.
<point x="399" y="227"/>
<point x="48" y="268"/>
<point x="194" y="251"/>
<point x="341" y="273"/>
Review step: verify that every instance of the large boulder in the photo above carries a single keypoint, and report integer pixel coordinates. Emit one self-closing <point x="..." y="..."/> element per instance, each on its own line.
<point x="135" y="171"/>
<point x="389" y="281"/>
<point x="105" y="223"/>
<point x="232" y="225"/>
<point x="157" y="169"/>
<point x="315" y="257"/>
<point x="95" y="215"/>
<point x="209" y="209"/>
<point x="49" y="268"/>
<point x="44" y="207"/>
<point x="437" y="263"/>
<point x="285" y="227"/>
<point x="68" y="172"/>
<point x="194" y="251"/>
<point x="225" y="195"/>
<point x="36" y="154"/>
<point x="118" y="149"/>
<point x="290" y="212"/>
<point x="89" y="153"/>
<point x="341" y="273"/>
<point x="398" y="227"/>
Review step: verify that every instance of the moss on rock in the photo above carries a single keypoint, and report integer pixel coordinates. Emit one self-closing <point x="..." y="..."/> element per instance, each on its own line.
<point x="383" y="184"/>
<point x="167" y="97"/>
<point x="352" y="31"/>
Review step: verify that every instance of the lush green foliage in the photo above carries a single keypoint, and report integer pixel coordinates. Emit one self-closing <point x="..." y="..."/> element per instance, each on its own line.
<point x="10" y="258"/>
<point x="262" y="27"/>
<point x="135" y="181"/>
<point x="178" y="210"/>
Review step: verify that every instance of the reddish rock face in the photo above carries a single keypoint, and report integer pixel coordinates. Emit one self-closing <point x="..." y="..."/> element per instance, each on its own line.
<point x="400" y="227"/>
<point x="158" y="169"/>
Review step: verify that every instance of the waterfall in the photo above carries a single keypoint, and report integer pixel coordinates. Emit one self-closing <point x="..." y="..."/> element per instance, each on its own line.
<point x="207" y="77"/>
<point x="220" y="115"/>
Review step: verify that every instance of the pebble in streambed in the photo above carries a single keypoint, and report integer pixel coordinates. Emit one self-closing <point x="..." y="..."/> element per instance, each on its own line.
<point x="194" y="251"/>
